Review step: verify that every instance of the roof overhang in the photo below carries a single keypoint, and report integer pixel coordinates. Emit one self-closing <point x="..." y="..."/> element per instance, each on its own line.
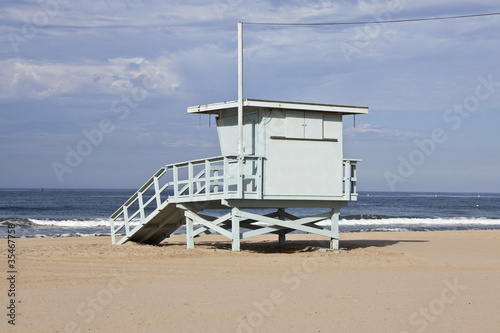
<point x="215" y="108"/>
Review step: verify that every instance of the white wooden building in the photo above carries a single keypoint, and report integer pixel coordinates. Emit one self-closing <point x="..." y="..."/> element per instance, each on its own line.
<point x="300" y="143"/>
<point x="274" y="154"/>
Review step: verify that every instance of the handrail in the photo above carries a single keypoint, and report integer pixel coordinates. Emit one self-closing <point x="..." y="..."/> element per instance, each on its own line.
<point x="143" y="189"/>
<point x="350" y="179"/>
<point x="223" y="177"/>
<point x="205" y="178"/>
<point x="239" y="177"/>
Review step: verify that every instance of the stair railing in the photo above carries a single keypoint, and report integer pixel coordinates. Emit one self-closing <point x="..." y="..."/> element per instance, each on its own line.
<point x="225" y="177"/>
<point x="137" y="201"/>
<point x="350" y="179"/>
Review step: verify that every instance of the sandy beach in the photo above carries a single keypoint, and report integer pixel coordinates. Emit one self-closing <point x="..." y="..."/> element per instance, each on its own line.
<point x="380" y="282"/>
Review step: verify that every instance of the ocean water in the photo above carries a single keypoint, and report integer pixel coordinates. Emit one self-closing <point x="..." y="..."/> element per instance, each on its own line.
<point x="63" y="213"/>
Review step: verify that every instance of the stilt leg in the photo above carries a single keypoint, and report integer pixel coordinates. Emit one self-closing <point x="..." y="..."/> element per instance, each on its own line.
<point x="281" y="236"/>
<point x="189" y="233"/>
<point x="282" y="239"/>
<point x="334" y="241"/>
<point x="235" y="226"/>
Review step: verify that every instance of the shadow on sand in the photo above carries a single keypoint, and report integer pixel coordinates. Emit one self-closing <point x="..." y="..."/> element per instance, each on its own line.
<point x="296" y="246"/>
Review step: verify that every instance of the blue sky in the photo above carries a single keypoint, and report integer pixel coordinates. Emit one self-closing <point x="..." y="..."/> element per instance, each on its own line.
<point x="111" y="81"/>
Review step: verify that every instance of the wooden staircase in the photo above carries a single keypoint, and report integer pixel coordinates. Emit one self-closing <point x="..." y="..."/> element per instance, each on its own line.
<point x="160" y="226"/>
<point x="197" y="182"/>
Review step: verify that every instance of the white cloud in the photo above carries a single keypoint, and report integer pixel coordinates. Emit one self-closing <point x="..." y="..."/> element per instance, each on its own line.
<point x="381" y="133"/>
<point x="84" y="16"/>
<point x="90" y="52"/>
<point x="21" y="78"/>
<point x="189" y="143"/>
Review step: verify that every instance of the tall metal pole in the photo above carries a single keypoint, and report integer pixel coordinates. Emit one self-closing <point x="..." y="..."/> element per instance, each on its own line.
<point x="240" y="88"/>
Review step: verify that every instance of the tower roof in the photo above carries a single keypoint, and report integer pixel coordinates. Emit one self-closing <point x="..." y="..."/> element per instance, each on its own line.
<point x="215" y="108"/>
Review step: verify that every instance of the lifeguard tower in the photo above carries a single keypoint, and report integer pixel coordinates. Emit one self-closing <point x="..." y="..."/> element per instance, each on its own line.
<point x="274" y="156"/>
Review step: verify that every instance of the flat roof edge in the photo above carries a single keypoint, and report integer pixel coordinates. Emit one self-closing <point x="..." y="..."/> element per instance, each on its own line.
<point x="345" y="109"/>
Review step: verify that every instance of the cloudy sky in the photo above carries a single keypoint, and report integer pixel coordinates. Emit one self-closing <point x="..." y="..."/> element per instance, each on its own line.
<point x="93" y="94"/>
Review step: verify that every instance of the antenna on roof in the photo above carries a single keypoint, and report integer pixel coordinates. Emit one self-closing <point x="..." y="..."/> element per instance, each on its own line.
<point x="240" y="88"/>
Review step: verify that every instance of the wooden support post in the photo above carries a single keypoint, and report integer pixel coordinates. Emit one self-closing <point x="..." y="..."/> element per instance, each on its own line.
<point x="189" y="233"/>
<point x="282" y="234"/>
<point x="190" y="180"/>
<point x="125" y="220"/>
<point x="113" y="236"/>
<point x="282" y="239"/>
<point x="334" y="241"/>
<point x="225" y="184"/>
<point x="235" y="226"/>
<point x="175" y="175"/>
<point x="141" y="207"/>
<point x="157" y="192"/>
<point x="207" y="179"/>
